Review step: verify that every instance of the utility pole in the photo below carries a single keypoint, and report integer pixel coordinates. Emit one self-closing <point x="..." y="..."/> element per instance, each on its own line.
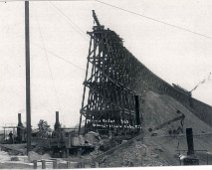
<point x="27" y="58"/>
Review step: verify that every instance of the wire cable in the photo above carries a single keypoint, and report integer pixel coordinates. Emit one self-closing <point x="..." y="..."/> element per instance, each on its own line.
<point x="74" y="26"/>
<point x="49" y="66"/>
<point x="155" y="20"/>
<point x="61" y="58"/>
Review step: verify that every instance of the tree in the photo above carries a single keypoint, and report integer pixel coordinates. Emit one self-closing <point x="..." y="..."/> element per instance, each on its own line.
<point x="44" y="129"/>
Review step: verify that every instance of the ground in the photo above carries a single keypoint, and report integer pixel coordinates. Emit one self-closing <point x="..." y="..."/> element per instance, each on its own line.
<point x="151" y="148"/>
<point x="161" y="149"/>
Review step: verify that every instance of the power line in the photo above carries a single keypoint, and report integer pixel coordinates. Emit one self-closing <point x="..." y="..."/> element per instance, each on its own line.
<point x="55" y="55"/>
<point x="61" y="58"/>
<point x="49" y="67"/>
<point x="155" y="20"/>
<point x="74" y="26"/>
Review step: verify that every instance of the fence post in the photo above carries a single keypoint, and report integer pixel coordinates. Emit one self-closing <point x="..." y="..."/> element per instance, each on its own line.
<point x="82" y="164"/>
<point x="207" y="158"/>
<point x="68" y="164"/>
<point x="35" y="164"/>
<point x="96" y="165"/>
<point x="43" y="164"/>
<point x="67" y="153"/>
<point x="55" y="164"/>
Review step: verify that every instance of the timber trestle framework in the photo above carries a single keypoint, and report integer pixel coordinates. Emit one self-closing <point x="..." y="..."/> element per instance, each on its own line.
<point x="112" y="105"/>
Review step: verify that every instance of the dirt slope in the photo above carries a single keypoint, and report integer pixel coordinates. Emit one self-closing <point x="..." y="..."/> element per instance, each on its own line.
<point x="157" y="109"/>
<point x="161" y="149"/>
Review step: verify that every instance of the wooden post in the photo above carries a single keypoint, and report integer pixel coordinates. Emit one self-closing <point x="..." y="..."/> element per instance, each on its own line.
<point x="43" y="164"/>
<point x="96" y="165"/>
<point x="207" y="158"/>
<point x="68" y="164"/>
<point x="35" y="164"/>
<point x="27" y="58"/>
<point x="67" y="153"/>
<point x="82" y="164"/>
<point x="55" y="166"/>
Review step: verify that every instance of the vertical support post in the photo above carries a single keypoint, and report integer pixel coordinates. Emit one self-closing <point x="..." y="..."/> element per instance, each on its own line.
<point x="67" y="153"/>
<point x="27" y="58"/>
<point x="84" y="89"/>
<point x="35" y="164"/>
<point x="96" y="164"/>
<point x="55" y="166"/>
<point x="138" y="121"/>
<point x="207" y="157"/>
<point x="190" y="143"/>
<point x="43" y="164"/>
<point x="68" y="164"/>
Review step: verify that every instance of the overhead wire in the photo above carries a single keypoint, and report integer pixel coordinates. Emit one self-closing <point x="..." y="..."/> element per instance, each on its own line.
<point x="155" y="20"/>
<point x="56" y="55"/>
<point x="61" y="58"/>
<point x="49" y="66"/>
<point x="73" y="25"/>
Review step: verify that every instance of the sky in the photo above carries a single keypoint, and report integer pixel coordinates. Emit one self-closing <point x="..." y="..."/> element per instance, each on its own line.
<point x="179" y="52"/>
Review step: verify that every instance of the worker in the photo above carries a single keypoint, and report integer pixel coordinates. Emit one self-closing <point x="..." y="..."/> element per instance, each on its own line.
<point x="11" y="140"/>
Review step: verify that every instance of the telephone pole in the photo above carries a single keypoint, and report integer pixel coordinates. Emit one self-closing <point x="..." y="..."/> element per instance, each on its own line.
<point x="27" y="58"/>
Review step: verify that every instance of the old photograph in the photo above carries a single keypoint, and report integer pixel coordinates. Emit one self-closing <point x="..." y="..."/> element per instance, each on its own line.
<point x="105" y="83"/>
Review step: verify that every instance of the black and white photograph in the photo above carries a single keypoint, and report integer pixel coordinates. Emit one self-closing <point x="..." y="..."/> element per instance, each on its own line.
<point x="105" y="84"/>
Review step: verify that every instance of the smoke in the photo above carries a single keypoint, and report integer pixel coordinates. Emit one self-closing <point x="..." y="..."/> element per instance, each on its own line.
<point x="202" y="82"/>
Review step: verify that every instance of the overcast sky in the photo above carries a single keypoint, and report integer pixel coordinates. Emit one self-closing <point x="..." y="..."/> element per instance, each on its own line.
<point x="59" y="47"/>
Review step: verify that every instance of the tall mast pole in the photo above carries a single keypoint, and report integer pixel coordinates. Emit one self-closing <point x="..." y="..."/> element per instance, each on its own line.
<point x="27" y="58"/>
